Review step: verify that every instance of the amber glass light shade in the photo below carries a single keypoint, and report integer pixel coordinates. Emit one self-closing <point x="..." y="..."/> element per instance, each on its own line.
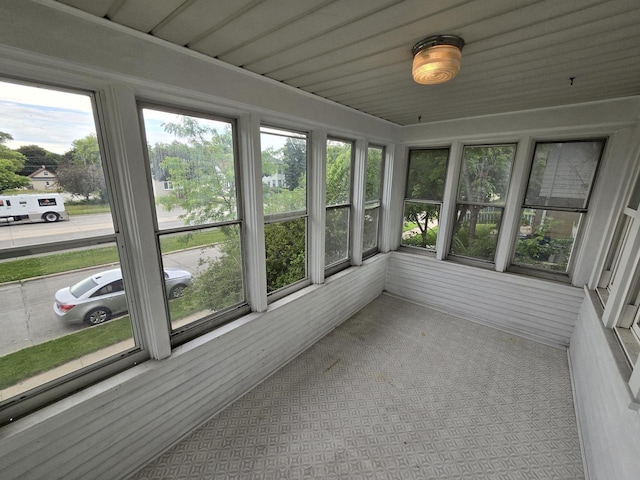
<point x="436" y="64"/>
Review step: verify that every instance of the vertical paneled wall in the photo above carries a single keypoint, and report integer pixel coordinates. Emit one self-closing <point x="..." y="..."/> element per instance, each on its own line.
<point x="539" y="310"/>
<point x="112" y="429"/>
<point x="609" y="424"/>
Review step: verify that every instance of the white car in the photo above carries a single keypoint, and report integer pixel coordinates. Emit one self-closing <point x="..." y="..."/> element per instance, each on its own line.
<point x="101" y="297"/>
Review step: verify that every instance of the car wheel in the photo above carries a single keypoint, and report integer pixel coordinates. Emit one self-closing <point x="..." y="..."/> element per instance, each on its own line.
<point x="51" y="217"/>
<point x="97" y="316"/>
<point x="177" y="291"/>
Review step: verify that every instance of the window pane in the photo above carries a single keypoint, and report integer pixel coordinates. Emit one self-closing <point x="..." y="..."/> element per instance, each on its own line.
<point x="192" y="168"/>
<point x="286" y="247"/>
<point x="62" y="311"/>
<point x="427" y="174"/>
<point x="634" y="201"/>
<point x="562" y="174"/>
<point x="374" y="174"/>
<point x="371" y="216"/>
<point x="546" y="238"/>
<point x="475" y="232"/>
<point x="284" y="171"/>
<point x="64" y="305"/>
<point x="337" y="235"/>
<point x="420" y="226"/>
<point x="338" y="172"/>
<point x="484" y="176"/>
<point x="202" y="271"/>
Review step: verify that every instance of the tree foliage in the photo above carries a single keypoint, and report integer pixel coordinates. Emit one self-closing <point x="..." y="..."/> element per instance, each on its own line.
<point x="81" y="180"/>
<point x="425" y="181"/>
<point x="86" y="151"/>
<point x="201" y="168"/>
<point x="373" y="177"/>
<point x="218" y="282"/>
<point x="294" y="156"/>
<point x="11" y="162"/>
<point x="285" y="244"/>
<point x="37" y="157"/>
<point x="338" y="173"/>
<point x="338" y="191"/>
<point x="80" y="171"/>
<point x="484" y="180"/>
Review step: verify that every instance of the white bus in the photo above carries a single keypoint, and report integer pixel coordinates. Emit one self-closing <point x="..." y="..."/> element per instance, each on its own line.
<point x="46" y="207"/>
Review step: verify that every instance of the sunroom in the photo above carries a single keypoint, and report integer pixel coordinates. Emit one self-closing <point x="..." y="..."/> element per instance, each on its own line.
<point x="268" y="217"/>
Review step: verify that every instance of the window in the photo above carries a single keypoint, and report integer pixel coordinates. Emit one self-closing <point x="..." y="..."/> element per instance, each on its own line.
<point x="55" y="326"/>
<point x="557" y="197"/>
<point x="482" y="190"/>
<point x="619" y="284"/>
<point x="372" y="199"/>
<point x="426" y="176"/>
<point x="198" y="220"/>
<point x="338" y="203"/>
<point x="628" y="325"/>
<point x="284" y="187"/>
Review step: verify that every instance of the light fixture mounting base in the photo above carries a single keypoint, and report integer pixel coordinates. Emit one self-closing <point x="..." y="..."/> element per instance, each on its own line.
<point x="434" y="40"/>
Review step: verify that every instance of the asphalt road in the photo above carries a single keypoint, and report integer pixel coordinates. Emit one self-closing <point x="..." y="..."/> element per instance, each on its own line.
<point x="24" y="233"/>
<point x="27" y="316"/>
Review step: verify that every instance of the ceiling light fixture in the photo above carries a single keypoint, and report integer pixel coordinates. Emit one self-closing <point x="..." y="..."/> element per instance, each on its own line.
<point x="437" y="59"/>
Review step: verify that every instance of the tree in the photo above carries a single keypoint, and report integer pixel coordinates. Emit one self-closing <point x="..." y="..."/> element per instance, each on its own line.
<point x="285" y="244"/>
<point x="37" y="157"/>
<point x="10" y="163"/>
<point x="338" y="173"/>
<point x="338" y="188"/>
<point x="218" y="283"/>
<point x="484" y="180"/>
<point x="200" y="165"/>
<point x="80" y="180"/>
<point x="79" y="171"/>
<point x="294" y="155"/>
<point x="426" y="177"/>
<point x="86" y="151"/>
<point x="202" y="172"/>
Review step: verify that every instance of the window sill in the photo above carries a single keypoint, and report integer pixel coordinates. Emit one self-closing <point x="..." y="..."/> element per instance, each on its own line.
<point x="629" y="344"/>
<point x="538" y="273"/>
<point x="417" y="250"/>
<point x="616" y="348"/>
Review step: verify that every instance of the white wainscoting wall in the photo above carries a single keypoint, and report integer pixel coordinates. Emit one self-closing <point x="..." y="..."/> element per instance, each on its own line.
<point x="609" y="422"/>
<point x="540" y="310"/>
<point x="112" y="429"/>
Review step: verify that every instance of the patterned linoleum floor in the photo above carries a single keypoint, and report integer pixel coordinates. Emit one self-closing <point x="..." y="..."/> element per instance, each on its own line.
<point x="398" y="391"/>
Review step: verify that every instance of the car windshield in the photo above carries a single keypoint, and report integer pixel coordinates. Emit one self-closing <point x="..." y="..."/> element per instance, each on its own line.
<point x="82" y="287"/>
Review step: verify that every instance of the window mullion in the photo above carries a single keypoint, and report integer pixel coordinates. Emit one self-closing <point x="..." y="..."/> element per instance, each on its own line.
<point x="511" y="213"/>
<point x="317" y="211"/>
<point x="634" y="385"/>
<point x="448" y="208"/>
<point x="251" y="174"/>
<point x="629" y="260"/>
<point x="132" y="201"/>
<point x="391" y="198"/>
<point x="358" y="201"/>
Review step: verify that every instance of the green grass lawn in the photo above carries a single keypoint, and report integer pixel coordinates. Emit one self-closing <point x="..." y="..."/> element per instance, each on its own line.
<point x="82" y="209"/>
<point x="67" y="261"/>
<point x="56" y="263"/>
<point x="31" y="361"/>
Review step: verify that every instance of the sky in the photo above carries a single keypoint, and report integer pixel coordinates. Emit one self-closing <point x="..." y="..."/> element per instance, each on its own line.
<point x="53" y="119"/>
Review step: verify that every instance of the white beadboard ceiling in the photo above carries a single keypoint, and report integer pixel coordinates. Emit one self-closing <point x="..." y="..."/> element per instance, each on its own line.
<point x="519" y="54"/>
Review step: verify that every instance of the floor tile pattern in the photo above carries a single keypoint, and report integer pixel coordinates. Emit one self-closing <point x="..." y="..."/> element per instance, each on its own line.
<point x="399" y="391"/>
